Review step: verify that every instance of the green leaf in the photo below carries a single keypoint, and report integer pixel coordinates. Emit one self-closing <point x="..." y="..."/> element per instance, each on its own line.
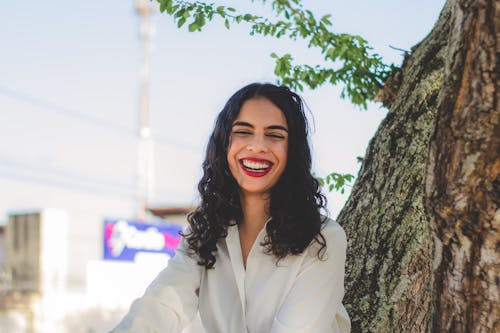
<point x="180" y="13"/>
<point x="220" y="11"/>
<point x="226" y="23"/>
<point x="163" y="6"/>
<point x="337" y="181"/>
<point x="181" y="22"/>
<point x="166" y="5"/>
<point x="326" y="19"/>
<point x="193" y="26"/>
<point x="201" y="21"/>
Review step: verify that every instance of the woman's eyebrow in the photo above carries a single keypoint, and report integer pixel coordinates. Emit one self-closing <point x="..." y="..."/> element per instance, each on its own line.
<point x="278" y="127"/>
<point x="272" y="127"/>
<point x="242" y="123"/>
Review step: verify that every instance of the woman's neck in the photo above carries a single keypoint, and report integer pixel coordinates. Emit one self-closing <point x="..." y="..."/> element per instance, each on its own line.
<point x="255" y="209"/>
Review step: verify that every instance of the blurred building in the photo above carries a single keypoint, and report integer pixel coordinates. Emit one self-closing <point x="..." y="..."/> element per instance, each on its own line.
<point x="174" y="214"/>
<point x="2" y="246"/>
<point x="34" y="274"/>
<point x="4" y="279"/>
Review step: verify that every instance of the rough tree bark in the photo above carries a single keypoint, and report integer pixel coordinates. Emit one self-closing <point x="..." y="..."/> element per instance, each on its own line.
<point x="423" y="215"/>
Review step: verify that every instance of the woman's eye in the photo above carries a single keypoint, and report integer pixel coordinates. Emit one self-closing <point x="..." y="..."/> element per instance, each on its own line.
<point x="242" y="132"/>
<point x="275" y="135"/>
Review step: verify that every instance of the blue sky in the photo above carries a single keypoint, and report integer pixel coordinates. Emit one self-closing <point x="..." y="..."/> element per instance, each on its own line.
<point x="69" y="87"/>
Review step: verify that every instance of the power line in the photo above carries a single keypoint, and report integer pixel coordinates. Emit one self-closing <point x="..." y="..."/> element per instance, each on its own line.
<point x="67" y="185"/>
<point x="66" y="112"/>
<point x="57" y="109"/>
<point x="59" y="173"/>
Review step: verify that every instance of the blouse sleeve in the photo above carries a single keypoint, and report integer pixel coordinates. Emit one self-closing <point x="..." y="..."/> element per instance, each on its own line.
<point x="313" y="303"/>
<point x="170" y="302"/>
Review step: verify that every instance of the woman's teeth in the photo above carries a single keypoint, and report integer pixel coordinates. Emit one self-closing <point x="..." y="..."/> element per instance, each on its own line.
<point x="256" y="166"/>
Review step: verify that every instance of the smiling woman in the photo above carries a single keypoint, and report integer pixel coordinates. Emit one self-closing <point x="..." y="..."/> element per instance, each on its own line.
<point x="258" y="256"/>
<point x="258" y="146"/>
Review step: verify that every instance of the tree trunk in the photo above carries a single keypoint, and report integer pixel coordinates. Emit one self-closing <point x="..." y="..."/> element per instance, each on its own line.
<point x="423" y="215"/>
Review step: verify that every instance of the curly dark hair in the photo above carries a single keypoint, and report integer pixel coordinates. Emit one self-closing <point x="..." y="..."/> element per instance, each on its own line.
<point x="296" y="199"/>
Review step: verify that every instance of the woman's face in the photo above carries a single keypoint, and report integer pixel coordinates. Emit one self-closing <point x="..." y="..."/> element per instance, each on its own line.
<point x="258" y="146"/>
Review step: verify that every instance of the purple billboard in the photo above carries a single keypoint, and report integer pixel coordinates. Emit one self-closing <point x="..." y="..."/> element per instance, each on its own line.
<point x="123" y="239"/>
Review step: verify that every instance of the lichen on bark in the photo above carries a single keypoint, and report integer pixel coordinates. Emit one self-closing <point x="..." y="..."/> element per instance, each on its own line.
<point x="423" y="214"/>
<point x="389" y="253"/>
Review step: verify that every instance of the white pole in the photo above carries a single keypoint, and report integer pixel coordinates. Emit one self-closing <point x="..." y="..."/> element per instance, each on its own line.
<point x="145" y="156"/>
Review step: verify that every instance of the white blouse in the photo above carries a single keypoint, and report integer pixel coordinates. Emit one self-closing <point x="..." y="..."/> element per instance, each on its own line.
<point x="299" y="294"/>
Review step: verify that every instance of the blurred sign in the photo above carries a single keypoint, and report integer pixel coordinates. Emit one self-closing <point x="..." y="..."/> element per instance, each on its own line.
<point x="123" y="239"/>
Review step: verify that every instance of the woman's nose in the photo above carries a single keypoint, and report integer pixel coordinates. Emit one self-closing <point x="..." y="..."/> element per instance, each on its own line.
<point x="257" y="144"/>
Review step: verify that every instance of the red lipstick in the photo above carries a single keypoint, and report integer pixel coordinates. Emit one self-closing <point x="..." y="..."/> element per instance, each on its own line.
<point x="255" y="167"/>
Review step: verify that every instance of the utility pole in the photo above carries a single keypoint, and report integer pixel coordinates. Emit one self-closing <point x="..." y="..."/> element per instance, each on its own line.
<point x="145" y="157"/>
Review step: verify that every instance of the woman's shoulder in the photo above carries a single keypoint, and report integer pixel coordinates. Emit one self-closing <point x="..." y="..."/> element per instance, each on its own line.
<point x="334" y="236"/>
<point x="332" y="229"/>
